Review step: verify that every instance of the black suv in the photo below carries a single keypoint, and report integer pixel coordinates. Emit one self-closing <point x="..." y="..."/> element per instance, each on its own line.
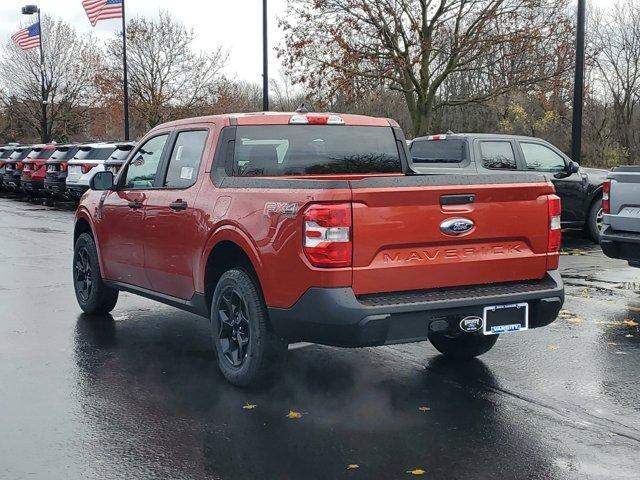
<point x="55" y="182"/>
<point x="13" y="168"/>
<point x="472" y="153"/>
<point x="5" y="153"/>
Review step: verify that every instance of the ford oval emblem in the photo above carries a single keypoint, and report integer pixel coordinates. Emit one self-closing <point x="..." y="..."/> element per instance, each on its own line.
<point x="456" y="226"/>
<point x="471" y="324"/>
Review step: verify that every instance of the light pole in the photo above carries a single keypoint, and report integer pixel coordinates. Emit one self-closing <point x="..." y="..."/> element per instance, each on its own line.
<point x="265" y="59"/>
<point x="578" y="85"/>
<point x="30" y="10"/>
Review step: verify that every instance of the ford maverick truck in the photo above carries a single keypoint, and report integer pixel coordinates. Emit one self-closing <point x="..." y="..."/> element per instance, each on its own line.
<point x="288" y="227"/>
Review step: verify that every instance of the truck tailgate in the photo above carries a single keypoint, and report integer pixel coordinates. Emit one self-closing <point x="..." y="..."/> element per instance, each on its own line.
<point x="625" y="200"/>
<point x="399" y="244"/>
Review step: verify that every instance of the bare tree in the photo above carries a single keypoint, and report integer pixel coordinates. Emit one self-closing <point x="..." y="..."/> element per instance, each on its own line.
<point x="71" y="61"/>
<point x="168" y="78"/>
<point x="617" y="43"/>
<point x="414" y="46"/>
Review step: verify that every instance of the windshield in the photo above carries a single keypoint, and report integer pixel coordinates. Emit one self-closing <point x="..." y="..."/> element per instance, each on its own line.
<point x="279" y="150"/>
<point x="439" y="151"/>
<point x="99" y="153"/>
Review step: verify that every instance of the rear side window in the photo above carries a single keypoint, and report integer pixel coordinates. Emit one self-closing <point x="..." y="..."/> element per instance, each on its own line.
<point x="280" y="150"/>
<point x="41" y="154"/>
<point x="185" y="159"/>
<point x="99" y="153"/>
<point x="498" y="155"/>
<point x="20" y="154"/>
<point x="120" y="154"/>
<point x="143" y="167"/>
<point x="439" y="151"/>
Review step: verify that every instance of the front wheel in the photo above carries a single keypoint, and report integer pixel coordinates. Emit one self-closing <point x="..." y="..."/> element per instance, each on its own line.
<point x="248" y="353"/>
<point x="464" y="346"/>
<point x="94" y="297"/>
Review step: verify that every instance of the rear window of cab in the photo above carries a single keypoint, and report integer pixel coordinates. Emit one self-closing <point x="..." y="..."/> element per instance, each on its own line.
<point x="448" y="151"/>
<point x="282" y="150"/>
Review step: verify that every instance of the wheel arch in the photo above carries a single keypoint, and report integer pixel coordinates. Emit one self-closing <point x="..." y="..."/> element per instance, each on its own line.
<point x="84" y="224"/>
<point x="226" y="248"/>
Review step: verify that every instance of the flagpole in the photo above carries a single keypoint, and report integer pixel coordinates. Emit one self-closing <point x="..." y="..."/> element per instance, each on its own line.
<point x="45" y="134"/>
<point x="125" y="74"/>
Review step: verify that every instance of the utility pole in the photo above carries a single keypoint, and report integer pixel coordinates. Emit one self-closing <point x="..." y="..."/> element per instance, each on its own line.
<point x="578" y="85"/>
<point x="265" y="59"/>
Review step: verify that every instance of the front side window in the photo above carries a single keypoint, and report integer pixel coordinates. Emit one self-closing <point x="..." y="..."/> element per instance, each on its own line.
<point x="541" y="158"/>
<point x="281" y="150"/>
<point x="143" y="167"/>
<point x="185" y="159"/>
<point x="498" y="155"/>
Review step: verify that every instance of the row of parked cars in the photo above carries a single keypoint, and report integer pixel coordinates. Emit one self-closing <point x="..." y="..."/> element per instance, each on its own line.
<point x="57" y="170"/>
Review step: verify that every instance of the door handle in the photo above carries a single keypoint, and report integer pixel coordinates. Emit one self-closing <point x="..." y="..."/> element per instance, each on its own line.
<point x="135" y="204"/>
<point x="178" y="205"/>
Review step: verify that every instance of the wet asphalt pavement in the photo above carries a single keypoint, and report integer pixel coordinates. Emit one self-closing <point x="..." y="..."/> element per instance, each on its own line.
<point x="136" y="395"/>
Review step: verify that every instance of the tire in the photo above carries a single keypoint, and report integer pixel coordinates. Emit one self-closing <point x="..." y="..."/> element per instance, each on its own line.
<point x="94" y="297"/>
<point x="248" y="353"/>
<point x="464" y="346"/>
<point x="595" y="217"/>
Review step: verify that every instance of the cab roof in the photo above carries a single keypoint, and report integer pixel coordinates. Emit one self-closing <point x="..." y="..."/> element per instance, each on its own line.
<point x="278" y="118"/>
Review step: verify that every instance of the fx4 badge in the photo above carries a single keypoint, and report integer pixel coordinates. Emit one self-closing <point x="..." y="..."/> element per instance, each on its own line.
<point x="282" y="208"/>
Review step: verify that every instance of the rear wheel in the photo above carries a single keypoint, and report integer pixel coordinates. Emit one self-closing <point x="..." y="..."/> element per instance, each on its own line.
<point x="464" y="346"/>
<point x="94" y="297"/>
<point x="595" y="222"/>
<point x="248" y="353"/>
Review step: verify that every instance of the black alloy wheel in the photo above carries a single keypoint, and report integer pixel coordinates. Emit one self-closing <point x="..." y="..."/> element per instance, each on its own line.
<point x="234" y="327"/>
<point x="83" y="274"/>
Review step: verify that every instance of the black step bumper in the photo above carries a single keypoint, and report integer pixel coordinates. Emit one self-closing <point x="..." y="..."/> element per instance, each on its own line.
<point x="622" y="245"/>
<point x="335" y="316"/>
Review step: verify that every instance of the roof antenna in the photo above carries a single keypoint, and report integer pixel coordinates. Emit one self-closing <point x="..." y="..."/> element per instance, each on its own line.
<point x="302" y="109"/>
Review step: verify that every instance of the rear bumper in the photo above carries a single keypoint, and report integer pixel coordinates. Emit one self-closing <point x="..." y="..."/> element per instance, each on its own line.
<point x="55" y="187"/>
<point x="32" y="187"/>
<point x="335" y="316"/>
<point x="12" y="182"/>
<point x="622" y="245"/>
<point x="76" y="191"/>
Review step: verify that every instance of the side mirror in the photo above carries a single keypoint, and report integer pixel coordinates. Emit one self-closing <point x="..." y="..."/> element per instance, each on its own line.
<point x="102" y="181"/>
<point x="573" y="167"/>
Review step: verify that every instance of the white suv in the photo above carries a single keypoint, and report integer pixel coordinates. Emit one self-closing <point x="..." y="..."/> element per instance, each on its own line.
<point x="85" y="164"/>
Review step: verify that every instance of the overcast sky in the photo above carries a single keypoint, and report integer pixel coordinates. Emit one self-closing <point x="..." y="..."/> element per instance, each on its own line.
<point x="235" y="24"/>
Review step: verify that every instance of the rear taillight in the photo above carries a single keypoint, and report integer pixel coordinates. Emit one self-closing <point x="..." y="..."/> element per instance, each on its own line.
<point x="63" y="167"/>
<point x="86" y="167"/>
<point x="316" y="119"/>
<point x="327" y="235"/>
<point x="606" y="197"/>
<point x="555" y="232"/>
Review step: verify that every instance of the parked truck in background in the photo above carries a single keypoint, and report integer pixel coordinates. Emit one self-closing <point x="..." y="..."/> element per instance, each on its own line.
<point x="288" y="227"/>
<point x="621" y="205"/>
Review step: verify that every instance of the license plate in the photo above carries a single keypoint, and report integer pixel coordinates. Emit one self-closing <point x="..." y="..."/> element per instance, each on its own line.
<point x="51" y="168"/>
<point x="75" y="169"/>
<point x="506" y="318"/>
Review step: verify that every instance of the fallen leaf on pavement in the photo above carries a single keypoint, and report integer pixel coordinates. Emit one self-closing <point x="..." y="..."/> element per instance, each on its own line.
<point x="416" y="471"/>
<point x="634" y="309"/>
<point x="352" y="466"/>
<point x="424" y="409"/>
<point x="293" y="415"/>
<point x="628" y="335"/>
<point x="249" y="406"/>
<point x="612" y="344"/>
<point x="630" y="323"/>
<point x="553" y="347"/>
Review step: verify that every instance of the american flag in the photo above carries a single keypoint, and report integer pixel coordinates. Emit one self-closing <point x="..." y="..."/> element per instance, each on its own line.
<point x="102" y="9"/>
<point x="28" y="38"/>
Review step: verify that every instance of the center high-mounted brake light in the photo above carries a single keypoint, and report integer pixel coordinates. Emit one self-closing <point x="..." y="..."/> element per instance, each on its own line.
<point x="606" y="197"/>
<point x="436" y="137"/>
<point x="327" y="235"/>
<point x="555" y="226"/>
<point x="315" y="119"/>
